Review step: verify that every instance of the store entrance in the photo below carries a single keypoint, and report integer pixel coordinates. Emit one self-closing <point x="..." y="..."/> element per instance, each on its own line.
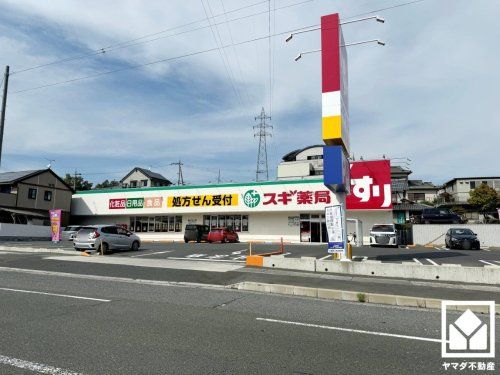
<point x="313" y="228"/>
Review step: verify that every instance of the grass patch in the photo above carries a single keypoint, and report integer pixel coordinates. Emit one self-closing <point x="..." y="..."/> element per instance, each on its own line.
<point x="361" y="297"/>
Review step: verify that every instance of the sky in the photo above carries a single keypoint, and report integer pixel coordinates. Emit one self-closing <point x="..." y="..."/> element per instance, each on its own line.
<point x="428" y="99"/>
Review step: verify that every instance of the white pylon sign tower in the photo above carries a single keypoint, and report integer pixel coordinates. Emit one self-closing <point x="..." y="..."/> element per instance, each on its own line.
<point x="261" y="131"/>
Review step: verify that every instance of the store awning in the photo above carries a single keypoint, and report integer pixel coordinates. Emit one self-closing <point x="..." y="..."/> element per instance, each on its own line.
<point x="25" y="212"/>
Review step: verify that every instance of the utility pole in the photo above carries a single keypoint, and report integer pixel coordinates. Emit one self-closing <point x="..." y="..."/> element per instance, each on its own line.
<point x="74" y="179"/>
<point x="180" y="178"/>
<point x="262" y="133"/>
<point x="4" y="106"/>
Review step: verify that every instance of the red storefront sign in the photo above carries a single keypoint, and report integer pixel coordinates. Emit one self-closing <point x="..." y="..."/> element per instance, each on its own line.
<point x="370" y="186"/>
<point x="117" y="204"/>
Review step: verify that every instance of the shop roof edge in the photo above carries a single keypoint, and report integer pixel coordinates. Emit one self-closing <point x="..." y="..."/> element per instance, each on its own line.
<point x="176" y="187"/>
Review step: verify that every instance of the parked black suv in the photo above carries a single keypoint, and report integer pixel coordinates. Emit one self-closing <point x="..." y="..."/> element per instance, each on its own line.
<point x="196" y="232"/>
<point x="439" y="216"/>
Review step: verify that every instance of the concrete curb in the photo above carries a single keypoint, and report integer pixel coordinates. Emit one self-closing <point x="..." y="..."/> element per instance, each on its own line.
<point x="444" y="272"/>
<point x="352" y="296"/>
<point x="38" y="250"/>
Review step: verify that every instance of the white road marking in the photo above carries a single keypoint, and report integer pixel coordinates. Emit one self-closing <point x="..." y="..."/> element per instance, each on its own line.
<point x="158" y="252"/>
<point x="55" y="294"/>
<point x="218" y="256"/>
<point x="431" y="261"/>
<point x="243" y="257"/>
<point x="496" y="261"/>
<point x="238" y="252"/>
<point x="488" y="263"/>
<point x="34" y="366"/>
<point x="326" y="256"/>
<point x="349" y="330"/>
<point x="485" y="249"/>
<point x="196" y="255"/>
<point x="417" y="261"/>
<point x="208" y="259"/>
<point x="437" y="248"/>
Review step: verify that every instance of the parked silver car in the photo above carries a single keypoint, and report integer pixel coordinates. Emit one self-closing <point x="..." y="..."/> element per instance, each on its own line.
<point x="112" y="237"/>
<point x="69" y="233"/>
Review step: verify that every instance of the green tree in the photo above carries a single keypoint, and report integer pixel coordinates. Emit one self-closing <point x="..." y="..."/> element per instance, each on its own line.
<point x="484" y="197"/>
<point x="79" y="184"/>
<point x="107" y="184"/>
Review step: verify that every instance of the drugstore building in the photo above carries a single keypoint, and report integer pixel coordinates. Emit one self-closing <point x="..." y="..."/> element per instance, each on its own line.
<point x="264" y="211"/>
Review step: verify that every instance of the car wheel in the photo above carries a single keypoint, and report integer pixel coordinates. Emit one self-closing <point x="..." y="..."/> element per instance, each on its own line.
<point x="186" y="241"/>
<point x="198" y="240"/>
<point x="135" y="246"/>
<point x="223" y="240"/>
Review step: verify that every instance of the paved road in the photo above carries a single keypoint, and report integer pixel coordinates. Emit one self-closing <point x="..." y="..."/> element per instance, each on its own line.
<point x="97" y="326"/>
<point x="238" y="252"/>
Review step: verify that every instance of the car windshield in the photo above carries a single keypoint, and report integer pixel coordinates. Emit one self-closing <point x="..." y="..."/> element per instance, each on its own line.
<point x="461" y="232"/>
<point x="383" y="228"/>
<point x="86" y="230"/>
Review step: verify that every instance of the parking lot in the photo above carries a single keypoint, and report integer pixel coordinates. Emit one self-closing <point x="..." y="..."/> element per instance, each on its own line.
<point x="237" y="252"/>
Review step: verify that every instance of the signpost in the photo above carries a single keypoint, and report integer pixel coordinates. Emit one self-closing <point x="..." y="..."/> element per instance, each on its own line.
<point x="336" y="228"/>
<point x="55" y="225"/>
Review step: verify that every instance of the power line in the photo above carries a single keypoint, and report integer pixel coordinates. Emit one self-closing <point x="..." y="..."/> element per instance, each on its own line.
<point x="383" y="9"/>
<point x="222" y="53"/>
<point x="134" y="42"/>
<point x="157" y="61"/>
<point x="228" y="26"/>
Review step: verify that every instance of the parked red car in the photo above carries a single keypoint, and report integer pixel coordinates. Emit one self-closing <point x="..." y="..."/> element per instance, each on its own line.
<point x="222" y="235"/>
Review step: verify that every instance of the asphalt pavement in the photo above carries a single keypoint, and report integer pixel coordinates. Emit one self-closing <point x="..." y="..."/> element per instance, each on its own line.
<point x="102" y="326"/>
<point x="237" y="252"/>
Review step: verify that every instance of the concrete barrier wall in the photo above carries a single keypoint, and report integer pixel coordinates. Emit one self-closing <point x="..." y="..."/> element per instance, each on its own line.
<point x="444" y="272"/>
<point x="488" y="234"/>
<point x="21" y="231"/>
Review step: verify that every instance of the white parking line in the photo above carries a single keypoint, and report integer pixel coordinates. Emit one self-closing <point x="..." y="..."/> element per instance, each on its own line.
<point x="326" y="256"/>
<point x="55" y="294"/>
<point x="417" y="261"/>
<point x="34" y="366"/>
<point x="431" y="261"/>
<point x="349" y="330"/>
<point x="488" y="263"/>
<point x="158" y="252"/>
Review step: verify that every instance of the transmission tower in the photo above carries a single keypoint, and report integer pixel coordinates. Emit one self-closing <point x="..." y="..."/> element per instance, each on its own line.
<point x="262" y="133"/>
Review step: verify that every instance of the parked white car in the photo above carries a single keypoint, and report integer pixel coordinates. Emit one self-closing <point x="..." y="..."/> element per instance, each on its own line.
<point x="383" y="235"/>
<point x="112" y="237"/>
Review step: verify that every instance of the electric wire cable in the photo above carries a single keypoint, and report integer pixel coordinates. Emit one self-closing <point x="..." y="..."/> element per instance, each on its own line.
<point x="137" y="41"/>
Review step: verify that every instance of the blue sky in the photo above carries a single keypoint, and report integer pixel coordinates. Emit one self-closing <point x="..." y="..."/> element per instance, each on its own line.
<point x="430" y="94"/>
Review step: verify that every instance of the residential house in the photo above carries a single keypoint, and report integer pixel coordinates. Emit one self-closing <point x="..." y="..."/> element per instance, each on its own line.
<point x="27" y="196"/>
<point x="140" y="177"/>
<point x="422" y="191"/>
<point x="455" y="194"/>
